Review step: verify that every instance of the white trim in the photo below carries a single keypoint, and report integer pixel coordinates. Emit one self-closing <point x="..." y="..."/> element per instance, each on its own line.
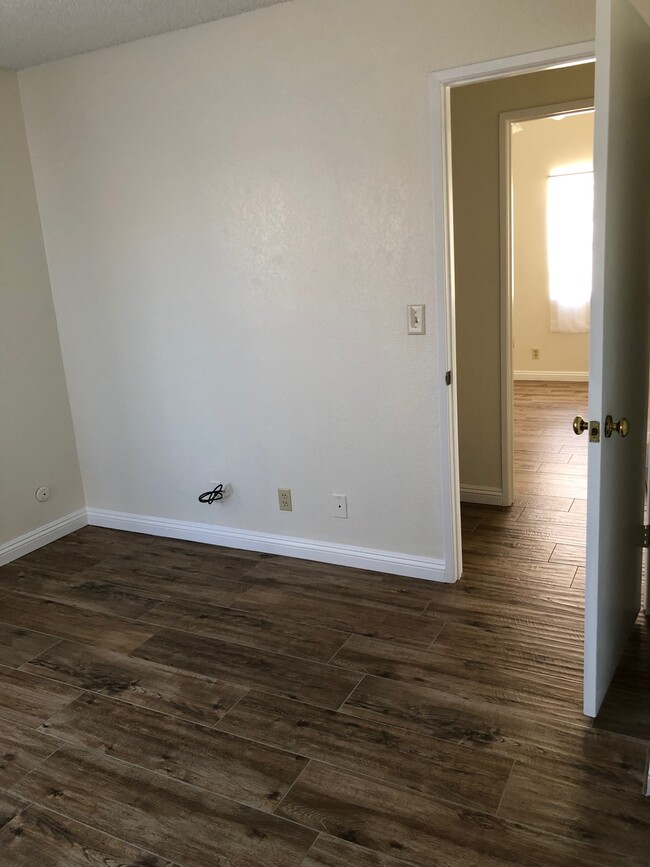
<point x="29" y="542"/>
<point x="441" y="83"/>
<point x="552" y="375"/>
<point x="481" y="494"/>
<point x="304" y="549"/>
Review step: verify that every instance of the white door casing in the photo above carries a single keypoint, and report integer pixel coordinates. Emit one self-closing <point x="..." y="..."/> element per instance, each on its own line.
<point x="441" y="84"/>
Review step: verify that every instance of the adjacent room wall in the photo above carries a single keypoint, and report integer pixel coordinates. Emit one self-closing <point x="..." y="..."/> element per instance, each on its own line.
<point x="539" y="148"/>
<point x="37" y="444"/>
<point x="475" y="144"/>
<point x="236" y="217"/>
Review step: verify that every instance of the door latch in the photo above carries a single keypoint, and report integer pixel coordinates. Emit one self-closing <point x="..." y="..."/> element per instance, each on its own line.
<point x="580" y="425"/>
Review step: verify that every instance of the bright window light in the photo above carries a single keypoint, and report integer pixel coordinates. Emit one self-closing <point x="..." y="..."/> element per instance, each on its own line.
<point x="569" y="233"/>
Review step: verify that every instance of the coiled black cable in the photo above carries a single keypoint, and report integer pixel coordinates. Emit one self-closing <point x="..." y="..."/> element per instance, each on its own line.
<point x="213" y="496"/>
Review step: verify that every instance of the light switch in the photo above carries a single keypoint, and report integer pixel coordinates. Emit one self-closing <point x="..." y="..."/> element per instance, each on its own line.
<point x="416" y="324"/>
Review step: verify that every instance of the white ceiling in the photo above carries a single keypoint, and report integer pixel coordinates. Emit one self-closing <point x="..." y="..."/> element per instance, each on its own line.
<point x="37" y="31"/>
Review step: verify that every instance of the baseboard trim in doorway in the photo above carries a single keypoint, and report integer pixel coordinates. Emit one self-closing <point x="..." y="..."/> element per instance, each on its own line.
<point x="482" y="495"/>
<point x="375" y="560"/>
<point x="551" y="375"/>
<point x="29" y="542"/>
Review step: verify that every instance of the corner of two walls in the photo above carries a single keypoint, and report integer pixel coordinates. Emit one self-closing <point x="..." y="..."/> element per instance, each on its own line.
<point x="236" y="217"/>
<point x="37" y="444"/>
<point x="475" y="113"/>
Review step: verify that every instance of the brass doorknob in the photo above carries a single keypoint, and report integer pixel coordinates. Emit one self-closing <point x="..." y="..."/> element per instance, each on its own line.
<point x="622" y="426"/>
<point x="579" y="425"/>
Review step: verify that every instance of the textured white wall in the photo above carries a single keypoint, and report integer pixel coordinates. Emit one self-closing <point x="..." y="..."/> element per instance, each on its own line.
<point x="541" y="147"/>
<point x="236" y="217"/>
<point x="36" y="437"/>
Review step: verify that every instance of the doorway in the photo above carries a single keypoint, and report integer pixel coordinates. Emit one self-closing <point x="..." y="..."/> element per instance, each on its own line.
<point x="487" y="410"/>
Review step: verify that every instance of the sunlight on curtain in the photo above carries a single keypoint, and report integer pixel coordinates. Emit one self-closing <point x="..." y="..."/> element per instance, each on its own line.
<point x="569" y="234"/>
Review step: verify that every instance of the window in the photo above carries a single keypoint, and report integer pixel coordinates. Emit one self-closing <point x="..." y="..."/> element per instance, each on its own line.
<point x="569" y="234"/>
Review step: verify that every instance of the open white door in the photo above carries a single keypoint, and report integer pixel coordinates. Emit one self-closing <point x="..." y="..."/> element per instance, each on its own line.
<point x="618" y="384"/>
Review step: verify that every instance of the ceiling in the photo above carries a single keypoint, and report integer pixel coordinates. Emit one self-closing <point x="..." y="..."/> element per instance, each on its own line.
<point x="37" y="31"/>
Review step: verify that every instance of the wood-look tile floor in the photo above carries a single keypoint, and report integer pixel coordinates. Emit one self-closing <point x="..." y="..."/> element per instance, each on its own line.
<point x="168" y="703"/>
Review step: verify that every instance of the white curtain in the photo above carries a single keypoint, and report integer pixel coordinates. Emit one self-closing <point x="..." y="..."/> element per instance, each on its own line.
<point x="569" y="233"/>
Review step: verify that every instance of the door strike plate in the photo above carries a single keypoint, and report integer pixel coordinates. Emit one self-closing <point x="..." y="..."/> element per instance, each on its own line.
<point x="594" y="431"/>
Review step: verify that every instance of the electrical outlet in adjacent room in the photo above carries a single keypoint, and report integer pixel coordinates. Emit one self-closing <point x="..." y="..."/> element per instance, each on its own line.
<point x="340" y="505"/>
<point x="535" y="354"/>
<point x="284" y="498"/>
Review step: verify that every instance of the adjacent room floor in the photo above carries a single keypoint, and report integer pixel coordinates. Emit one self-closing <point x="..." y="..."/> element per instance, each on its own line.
<point x="165" y="702"/>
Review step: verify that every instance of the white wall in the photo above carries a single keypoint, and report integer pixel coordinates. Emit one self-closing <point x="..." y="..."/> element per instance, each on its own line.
<point x="36" y="438"/>
<point x="236" y="217"/>
<point x="539" y="148"/>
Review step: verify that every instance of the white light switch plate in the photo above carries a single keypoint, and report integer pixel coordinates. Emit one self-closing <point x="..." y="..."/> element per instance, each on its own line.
<point x="416" y="323"/>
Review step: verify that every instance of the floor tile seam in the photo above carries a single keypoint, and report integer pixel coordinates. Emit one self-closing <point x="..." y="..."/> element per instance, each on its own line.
<point x="20" y="670"/>
<point x="524" y="717"/>
<point x="458" y="745"/>
<point x="362" y="847"/>
<point x="19" y="812"/>
<point x="36" y="767"/>
<point x="103" y="579"/>
<point x="54" y="644"/>
<point x="166" y="777"/>
<point x="387" y="608"/>
<point x="338" y="650"/>
<point x="398" y="788"/>
<point x="19" y="593"/>
<point x="160" y="627"/>
<point x="512" y="768"/>
<point x="137" y="707"/>
<point x="97" y="830"/>
<point x="281" y="801"/>
<point x="224" y="678"/>
<point x="41" y="760"/>
<point x="352" y="691"/>
<point x="565" y="682"/>
<point x="538" y="830"/>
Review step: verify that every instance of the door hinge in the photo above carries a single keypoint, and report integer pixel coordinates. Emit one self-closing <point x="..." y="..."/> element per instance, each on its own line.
<point x="448" y="377"/>
<point x="646" y="535"/>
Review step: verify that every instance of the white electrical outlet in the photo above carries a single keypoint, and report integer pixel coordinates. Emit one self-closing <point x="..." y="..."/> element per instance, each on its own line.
<point x="227" y="487"/>
<point x="284" y="499"/>
<point x="535" y="354"/>
<point x="340" y="505"/>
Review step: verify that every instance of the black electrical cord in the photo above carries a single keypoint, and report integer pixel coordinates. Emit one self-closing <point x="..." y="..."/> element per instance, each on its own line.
<point x="210" y="497"/>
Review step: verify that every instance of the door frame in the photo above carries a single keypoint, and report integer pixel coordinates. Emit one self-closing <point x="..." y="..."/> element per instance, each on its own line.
<point x="441" y="83"/>
<point x="506" y="120"/>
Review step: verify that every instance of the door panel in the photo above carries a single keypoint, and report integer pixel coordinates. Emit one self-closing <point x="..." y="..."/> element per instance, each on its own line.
<point x="619" y="340"/>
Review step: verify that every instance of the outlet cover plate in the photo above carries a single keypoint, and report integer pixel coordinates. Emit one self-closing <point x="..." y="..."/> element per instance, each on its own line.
<point x="340" y="505"/>
<point x="284" y="499"/>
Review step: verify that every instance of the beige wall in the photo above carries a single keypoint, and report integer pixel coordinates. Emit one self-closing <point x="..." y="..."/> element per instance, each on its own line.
<point x="36" y="439"/>
<point x="475" y="143"/>
<point x="539" y="148"/>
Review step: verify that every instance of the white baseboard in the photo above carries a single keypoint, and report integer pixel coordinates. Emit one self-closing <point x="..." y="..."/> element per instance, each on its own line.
<point x="482" y="495"/>
<point x="42" y="536"/>
<point x="552" y="375"/>
<point x="306" y="549"/>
